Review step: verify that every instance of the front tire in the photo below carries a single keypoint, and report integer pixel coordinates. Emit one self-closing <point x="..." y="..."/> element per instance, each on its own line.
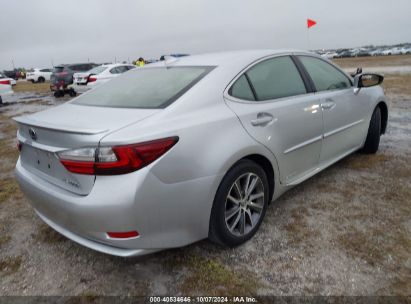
<point x="372" y="141"/>
<point x="239" y="205"/>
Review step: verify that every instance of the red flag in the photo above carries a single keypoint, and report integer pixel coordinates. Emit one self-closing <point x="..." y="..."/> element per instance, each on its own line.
<point x="311" y="23"/>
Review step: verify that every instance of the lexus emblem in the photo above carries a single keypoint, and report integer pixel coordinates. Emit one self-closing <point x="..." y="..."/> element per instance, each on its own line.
<point x="32" y="134"/>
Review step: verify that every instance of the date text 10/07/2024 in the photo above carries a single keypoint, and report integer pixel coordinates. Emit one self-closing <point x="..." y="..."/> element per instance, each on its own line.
<point x="201" y="299"/>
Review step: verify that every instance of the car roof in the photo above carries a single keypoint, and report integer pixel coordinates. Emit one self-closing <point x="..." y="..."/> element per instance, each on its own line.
<point x="243" y="57"/>
<point x="111" y="65"/>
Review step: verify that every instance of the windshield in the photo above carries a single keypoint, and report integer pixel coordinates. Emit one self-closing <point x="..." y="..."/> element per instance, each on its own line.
<point x="97" y="70"/>
<point x="152" y="88"/>
<point x="58" y="69"/>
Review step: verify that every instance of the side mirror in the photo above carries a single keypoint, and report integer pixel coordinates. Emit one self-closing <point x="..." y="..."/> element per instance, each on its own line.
<point x="367" y="80"/>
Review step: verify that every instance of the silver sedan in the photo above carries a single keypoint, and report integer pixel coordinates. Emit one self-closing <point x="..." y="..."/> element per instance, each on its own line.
<point x="193" y="148"/>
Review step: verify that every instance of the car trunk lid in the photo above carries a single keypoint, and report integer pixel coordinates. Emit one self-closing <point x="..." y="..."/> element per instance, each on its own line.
<point x="69" y="126"/>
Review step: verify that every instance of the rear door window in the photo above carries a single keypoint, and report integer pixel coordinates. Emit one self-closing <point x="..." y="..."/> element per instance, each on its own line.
<point x="276" y="78"/>
<point x="324" y="75"/>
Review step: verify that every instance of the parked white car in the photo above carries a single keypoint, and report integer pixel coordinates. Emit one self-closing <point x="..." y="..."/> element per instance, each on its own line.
<point x="406" y="50"/>
<point x="39" y="75"/>
<point x="83" y="82"/>
<point x="5" y="90"/>
<point x="394" y="51"/>
<point x="7" y="80"/>
<point x="330" y="55"/>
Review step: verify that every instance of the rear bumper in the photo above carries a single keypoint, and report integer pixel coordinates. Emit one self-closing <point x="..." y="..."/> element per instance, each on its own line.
<point x="165" y="215"/>
<point x="79" y="88"/>
<point x="95" y="245"/>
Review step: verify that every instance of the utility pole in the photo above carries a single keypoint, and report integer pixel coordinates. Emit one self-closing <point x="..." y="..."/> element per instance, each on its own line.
<point x="12" y="62"/>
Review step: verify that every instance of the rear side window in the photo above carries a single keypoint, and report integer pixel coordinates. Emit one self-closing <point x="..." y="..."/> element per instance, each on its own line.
<point x="152" y="88"/>
<point x="325" y="76"/>
<point x="241" y="89"/>
<point x="122" y="69"/>
<point x="97" y="70"/>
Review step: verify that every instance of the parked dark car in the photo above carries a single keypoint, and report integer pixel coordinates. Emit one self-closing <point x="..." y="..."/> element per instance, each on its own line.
<point x="62" y="77"/>
<point x="344" y="54"/>
<point x="11" y="74"/>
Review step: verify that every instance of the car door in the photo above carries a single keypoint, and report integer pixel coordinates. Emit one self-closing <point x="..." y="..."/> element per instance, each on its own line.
<point x="277" y="108"/>
<point x="344" y="111"/>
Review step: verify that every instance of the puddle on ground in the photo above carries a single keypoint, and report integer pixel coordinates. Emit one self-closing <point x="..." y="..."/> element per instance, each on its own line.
<point x="20" y="103"/>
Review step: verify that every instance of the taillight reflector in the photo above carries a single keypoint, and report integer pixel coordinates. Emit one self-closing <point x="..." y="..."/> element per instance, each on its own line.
<point x="123" y="235"/>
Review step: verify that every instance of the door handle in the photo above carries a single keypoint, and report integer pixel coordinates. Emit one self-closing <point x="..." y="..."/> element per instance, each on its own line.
<point x="262" y="120"/>
<point x="328" y="104"/>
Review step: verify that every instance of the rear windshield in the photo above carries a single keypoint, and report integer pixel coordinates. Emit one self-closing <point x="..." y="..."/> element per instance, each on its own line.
<point x="97" y="70"/>
<point x="152" y="88"/>
<point x="58" y="69"/>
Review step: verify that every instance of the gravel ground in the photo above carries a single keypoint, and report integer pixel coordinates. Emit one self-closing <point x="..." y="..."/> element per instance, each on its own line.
<point x="347" y="231"/>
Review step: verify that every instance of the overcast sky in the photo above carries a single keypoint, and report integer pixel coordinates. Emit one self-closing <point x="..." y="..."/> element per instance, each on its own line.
<point x="37" y="33"/>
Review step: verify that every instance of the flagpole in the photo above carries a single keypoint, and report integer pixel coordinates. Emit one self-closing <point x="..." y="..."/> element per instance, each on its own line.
<point x="310" y="24"/>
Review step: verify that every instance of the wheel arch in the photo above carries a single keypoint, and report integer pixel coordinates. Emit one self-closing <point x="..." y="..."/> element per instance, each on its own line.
<point x="384" y="116"/>
<point x="268" y="168"/>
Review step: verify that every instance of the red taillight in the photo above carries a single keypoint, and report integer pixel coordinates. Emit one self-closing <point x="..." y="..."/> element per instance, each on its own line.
<point x="6" y="81"/>
<point x="123" y="235"/>
<point x="92" y="78"/>
<point x="115" y="160"/>
<point x="79" y="167"/>
<point x="62" y="74"/>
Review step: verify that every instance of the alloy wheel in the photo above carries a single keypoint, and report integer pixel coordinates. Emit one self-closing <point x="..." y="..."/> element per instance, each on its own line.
<point x="244" y="204"/>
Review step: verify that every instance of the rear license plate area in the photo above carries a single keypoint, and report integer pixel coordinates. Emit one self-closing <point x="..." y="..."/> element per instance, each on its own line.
<point x="41" y="160"/>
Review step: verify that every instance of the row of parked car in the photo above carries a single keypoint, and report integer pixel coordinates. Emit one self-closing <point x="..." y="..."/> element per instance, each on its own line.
<point x="79" y="78"/>
<point x="366" y="51"/>
<point x="73" y="78"/>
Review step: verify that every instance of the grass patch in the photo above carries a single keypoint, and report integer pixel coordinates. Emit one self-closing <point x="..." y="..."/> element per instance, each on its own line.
<point x="298" y="229"/>
<point x="358" y="244"/>
<point x="210" y="277"/>
<point x="8" y="188"/>
<point x="4" y="239"/>
<point x="10" y="265"/>
<point x="376" y="61"/>
<point x="361" y="161"/>
<point x="27" y="86"/>
<point x="397" y="84"/>
<point x="47" y="235"/>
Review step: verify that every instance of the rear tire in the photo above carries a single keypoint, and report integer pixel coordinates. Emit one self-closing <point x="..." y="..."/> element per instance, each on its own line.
<point x="41" y="80"/>
<point x="372" y="141"/>
<point x="72" y="93"/>
<point x="239" y="205"/>
<point x="58" y="94"/>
